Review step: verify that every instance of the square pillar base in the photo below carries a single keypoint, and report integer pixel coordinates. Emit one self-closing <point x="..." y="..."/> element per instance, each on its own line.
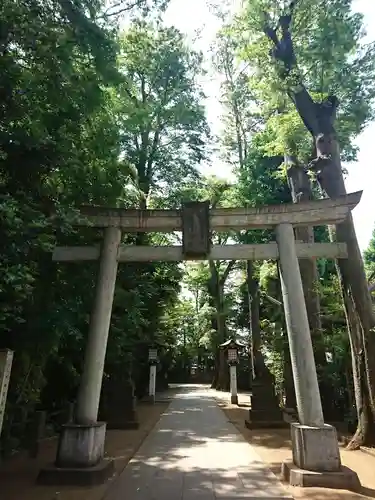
<point x="81" y="445"/>
<point x="315" y="448"/>
<point x="79" y="458"/>
<point x="344" y="479"/>
<point x="234" y="400"/>
<point x="75" y="476"/>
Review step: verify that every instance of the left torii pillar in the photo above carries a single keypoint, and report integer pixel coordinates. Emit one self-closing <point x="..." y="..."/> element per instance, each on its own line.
<point x="81" y="445"/>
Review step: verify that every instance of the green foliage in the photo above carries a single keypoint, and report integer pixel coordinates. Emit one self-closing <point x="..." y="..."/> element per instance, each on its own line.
<point x="369" y="256"/>
<point x="261" y="125"/>
<point x="90" y="115"/>
<point x="163" y="126"/>
<point x="72" y="111"/>
<point x="332" y="60"/>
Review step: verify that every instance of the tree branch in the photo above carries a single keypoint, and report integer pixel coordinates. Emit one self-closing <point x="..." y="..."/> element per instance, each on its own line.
<point x="121" y="10"/>
<point x="271" y="299"/>
<point x="283" y="52"/>
<point x="226" y="272"/>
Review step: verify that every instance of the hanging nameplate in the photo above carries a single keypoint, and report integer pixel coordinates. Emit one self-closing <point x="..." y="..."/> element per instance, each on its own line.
<point x="195" y="229"/>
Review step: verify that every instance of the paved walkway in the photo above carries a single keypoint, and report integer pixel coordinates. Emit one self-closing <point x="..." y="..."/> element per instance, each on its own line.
<point x="194" y="453"/>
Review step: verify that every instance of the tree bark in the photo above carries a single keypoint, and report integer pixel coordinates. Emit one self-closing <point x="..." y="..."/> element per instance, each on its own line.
<point x="260" y="367"/>
<point x="216" y="291"/>
<point x="249" y="274"/>
<point x="353" y="282"/>
<point x="319" y="119"/>
<point x="223" y="379"/>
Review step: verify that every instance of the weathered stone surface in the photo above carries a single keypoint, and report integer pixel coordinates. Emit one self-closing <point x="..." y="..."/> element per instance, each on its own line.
<point x="301" y="352"/>
<point x="93" y="368"/>
<point x="315" y="448"/>
<point x="234" y="399"/>
<point x="65" y="476"/>
<point x="195" y="217"/>
<point x="317" y="212"/>
<point x="118" y="404"/>
<point x="344" y="478"/>
<point x="265" y="409"/>
<point x="81" y="445"/>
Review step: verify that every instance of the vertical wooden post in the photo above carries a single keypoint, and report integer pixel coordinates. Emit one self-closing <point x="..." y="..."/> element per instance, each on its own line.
<point x="152" y="385"/>
<point x="6" y="359"/>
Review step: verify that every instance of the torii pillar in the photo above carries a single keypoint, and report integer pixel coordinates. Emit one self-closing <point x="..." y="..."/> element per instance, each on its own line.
<point x="81" y="443"/>
<point x="316" y="455"/>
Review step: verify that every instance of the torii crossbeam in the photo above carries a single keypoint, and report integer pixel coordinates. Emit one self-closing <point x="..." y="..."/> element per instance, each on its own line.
<point x="82" y="443"/>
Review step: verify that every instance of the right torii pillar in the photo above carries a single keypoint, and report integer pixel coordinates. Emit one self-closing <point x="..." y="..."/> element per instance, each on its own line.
<point x="316" y="456"/>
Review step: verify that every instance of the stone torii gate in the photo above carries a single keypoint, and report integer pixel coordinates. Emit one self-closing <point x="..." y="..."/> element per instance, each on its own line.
<point x="315" y="448"/>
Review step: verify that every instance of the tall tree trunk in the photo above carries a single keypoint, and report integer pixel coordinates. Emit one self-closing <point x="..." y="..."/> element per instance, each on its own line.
<point x="319" y="119"/>
<point x="365" y="426"/>
<point x="217" y="350"/>
<point x="353" y="282"/>
<point x="254" y="320"/>
<point x="216" y="286"/>
<point x="223" y="379"/>
<point x="290" y="393"/>
<point x="249" y="276"/>
<point x="300" y="188"/>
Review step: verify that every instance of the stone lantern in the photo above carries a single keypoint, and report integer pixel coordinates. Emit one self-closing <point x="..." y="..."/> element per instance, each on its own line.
<point x="153" y="361"/>
<point x="232" y="347"/>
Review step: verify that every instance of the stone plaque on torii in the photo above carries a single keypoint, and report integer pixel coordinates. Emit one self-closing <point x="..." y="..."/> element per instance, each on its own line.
<point x="81" y="445"/>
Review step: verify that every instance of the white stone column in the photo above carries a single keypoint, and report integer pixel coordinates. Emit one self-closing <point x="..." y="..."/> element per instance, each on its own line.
<point x="91" y="380"/>
<point x="233" y="384"/>
<point x="302" y="357"/>
<point x="152" y="383"/>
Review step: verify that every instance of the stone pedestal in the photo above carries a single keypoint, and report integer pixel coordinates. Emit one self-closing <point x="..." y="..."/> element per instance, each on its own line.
<point x="118" y="405"/>
<point x="316" y="460"/>
<point x="79" y="457"/>
<point x="344" y="479"/>
<point x="265" y="409"/>
<point x="233" y="384"/>
<point x="315" y="448"/>
<point x="81" y="445"/>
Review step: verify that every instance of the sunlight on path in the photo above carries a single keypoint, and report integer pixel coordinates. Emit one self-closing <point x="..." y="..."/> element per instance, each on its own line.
<point x="195" y="453"/>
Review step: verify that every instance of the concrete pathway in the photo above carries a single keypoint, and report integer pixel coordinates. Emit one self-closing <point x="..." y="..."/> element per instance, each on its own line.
<point x="194" y="453"/>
